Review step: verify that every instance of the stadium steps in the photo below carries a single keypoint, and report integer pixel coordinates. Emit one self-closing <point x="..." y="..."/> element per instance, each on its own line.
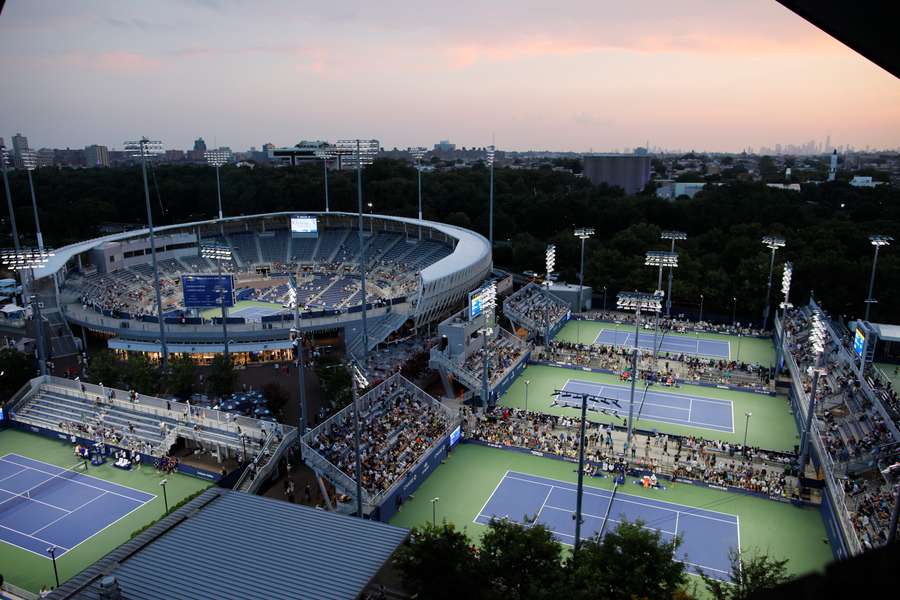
<point x="337" y="247"/>
<point x="234" y="255"/>
<point x="288" y="251"/>
<point x="378" y="333"/>
<point x="49" y="414"/>
<point x="259" y="251"/>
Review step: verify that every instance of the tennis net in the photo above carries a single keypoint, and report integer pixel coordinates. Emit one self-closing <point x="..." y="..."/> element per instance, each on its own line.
<point x="17" y="498"/>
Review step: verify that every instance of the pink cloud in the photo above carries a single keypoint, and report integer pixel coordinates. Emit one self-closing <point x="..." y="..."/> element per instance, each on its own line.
<point x="126" y="62"/>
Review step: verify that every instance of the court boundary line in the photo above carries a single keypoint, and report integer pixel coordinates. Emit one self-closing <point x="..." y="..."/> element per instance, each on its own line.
<point x="677" y="336"/>
<point x="4" y="458"/>
<point x="76" y="509"/>
<point x="43" y="541"/>
<point x="610" y="519"/>
<point x="99" y="531"/>
<point x="662" y="419"/>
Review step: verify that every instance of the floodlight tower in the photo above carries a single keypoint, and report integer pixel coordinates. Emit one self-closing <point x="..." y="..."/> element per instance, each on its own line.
<point x="29" y="161"/>
<point x="297" y="339"/>
<point x="358" y="380"/>
<point x="773" y="243"/>
<point x="364" y="152"/>
<point x="817" y="337"/>
<point x="4" y="157"/>
<point x="217" y="158"/>
<point x="636" y="301"/>
<point x="490" y="151"/>
<point x="878" y="241"/>
<point x="550" y="264"/>
<point x="144" y="148"/>
<point x="417" y="154"/>
<point x="488" y="307"/>
<point x="24" y="259"/>
<point x="326" y="152"/>
<point x="659" y="259"/>
<point x="583" y="234"/>
<point x="785" y="305"/>
<point x="671" y="235"/>
<point x="220" y="253"/>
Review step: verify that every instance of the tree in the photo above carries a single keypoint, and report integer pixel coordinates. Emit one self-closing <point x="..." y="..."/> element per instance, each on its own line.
<point x="222" y="376"/>
<point x="520" y="563"/>
<point x="104" y="368"/>
<point x="15" y="370"/>
<point x="439" y="562"/>
<point x="631" y="561"/>
<point x="182" y="377"/>
<point x="141" y="374"/>
<point x="748" y="577"/>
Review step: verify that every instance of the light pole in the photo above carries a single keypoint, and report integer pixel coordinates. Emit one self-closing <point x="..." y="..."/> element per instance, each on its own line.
<point x="582" y="233"/>
<point x="162" y="484"/>
<point x="773" y="243"/>
<point x="417" y="155"/>
<point x="733" y="310"/>
<point x="746" y="426"/>
<point x="23" y="259"/>
<point x="550" y="265"/>
<point x="221" y="253"/>
<point x="817" y="337"/>
<point x="29" y="161"/>
<point x="660" y="259"/>
<point x="52" y="552"/>
<point x="357" y="380"/>
<point x="878" y="241"/>
<point x="298" y="341"/>
<point x="143" y="148"/>
<point x="636" y="301"/>
<point x="700" y="320"/>
<point x="527" y="383"/>
<point x="604" y="298"/>
<point x="490" y="151"/>
<point x="786" y="290"/>
<point x="434" y="502"/>
<point x="488" y="295"/>
<point x="671" y="235"/>
<point x="4" y="156"/>
<point x="217" y="158"/>
<point x="326" y="152"/>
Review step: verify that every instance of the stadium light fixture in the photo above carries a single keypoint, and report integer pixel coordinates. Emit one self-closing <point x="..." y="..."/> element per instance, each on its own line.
<point x="878" y="241"/>
<point x="434" y="502"/>
<point x="326" y="152"/>
<point x="417" y="154"/>
<point x="550" y="262"/>
<point x="4" y="162"/>
<point x="583" y="234"/>
<point x="363" y="153"/>
<point x="52" y="552"/>
<point x="145" y="148"/>
<point x="747" y="416"/>
<point x="661" y="259"/>
<point x="220" y="253"/>
<point x="30" y="163"/>
<point x="29" y="259"/>
<point x="297" y="339"/>
<point x="673" y="236"/>
<point x="359" y="380"/>
<point x="637" y="301"/>
<point x="489" y="155"/>
<point x="773" y="243"/>
<point x="818" y="337"/>
<point x="785" y="306"/>
<point x="217" y="158"/>
<point x="163" y="484"/>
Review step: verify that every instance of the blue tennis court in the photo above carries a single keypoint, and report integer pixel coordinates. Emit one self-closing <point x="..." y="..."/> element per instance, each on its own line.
<point x="673" y="343"/>
<point x="43" y="505"/>
<point x="707" y="535"/>
<point x="255" y="312"/>
<point x="678" y="409"/>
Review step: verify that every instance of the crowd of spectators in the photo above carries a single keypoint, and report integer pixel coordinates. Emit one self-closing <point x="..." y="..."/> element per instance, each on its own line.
<point x="398" y="427"/>
<point x="504" y="350"/>
<point x="536" y="305"/>
<point x="677" y="324"/>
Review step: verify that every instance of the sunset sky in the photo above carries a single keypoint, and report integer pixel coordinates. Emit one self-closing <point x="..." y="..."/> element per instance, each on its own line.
<point x="707" y="75"/>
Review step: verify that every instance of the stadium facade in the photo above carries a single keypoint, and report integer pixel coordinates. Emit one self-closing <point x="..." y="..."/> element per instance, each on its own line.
<point x="417" y="273"/>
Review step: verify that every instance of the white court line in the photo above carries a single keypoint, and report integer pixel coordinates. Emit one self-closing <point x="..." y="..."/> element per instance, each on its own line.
<point x="676" y="530"/>
<point x="43" y="541"/>
<point x="543" y="505"/>
<point x="4" y="459"/>
<point x="661" y="393"/>
<point x="618" y="496"/>
<point x="14" y="474"/>
<point x="690" y="409"/>
<point x="611" y="520"/>
<point x="496" y="487"/>
<point x="70" y="512"/>
<point x="671" y="420"/>
<point x="138" y="507"/>
<point x="30" y="499"/>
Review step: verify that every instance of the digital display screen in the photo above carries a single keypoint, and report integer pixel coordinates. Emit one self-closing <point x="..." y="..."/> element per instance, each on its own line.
<point x="204" y="291"/>
<point x="475" y="304"/>
<point x="859" y="342"/>
<point x="302" y="226"/>
<point x="455" y="435"/>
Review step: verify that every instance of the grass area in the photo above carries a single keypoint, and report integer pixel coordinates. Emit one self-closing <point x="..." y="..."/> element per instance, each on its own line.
<point x="29" y="571"/>
<point x="772" y="425"/>
<point x="470" y="474"/>
<point x="211" y="313"/>
<point x="747" y="349"/>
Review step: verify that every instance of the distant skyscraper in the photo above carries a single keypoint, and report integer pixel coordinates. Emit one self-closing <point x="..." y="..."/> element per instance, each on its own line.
<point x="631" y="172"/>
<point x="20" y="143"/>
<point x="828" y="143"/>
<point x="199" y="145"/>
<point x="832" y="170"/>
<point x="444" y="146"/>
<point x="96" y="156"/>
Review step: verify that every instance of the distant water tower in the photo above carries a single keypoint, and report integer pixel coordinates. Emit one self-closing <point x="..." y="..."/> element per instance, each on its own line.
<point x="832" y="170"/>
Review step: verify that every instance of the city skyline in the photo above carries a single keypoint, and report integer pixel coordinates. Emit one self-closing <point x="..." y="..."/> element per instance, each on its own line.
<point x="700" y="75"/>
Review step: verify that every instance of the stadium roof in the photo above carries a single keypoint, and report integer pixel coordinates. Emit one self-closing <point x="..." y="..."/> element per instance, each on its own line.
<point x="887" y="332"/>
<point x="470" y="247"/>
<point x="230" y="545"/>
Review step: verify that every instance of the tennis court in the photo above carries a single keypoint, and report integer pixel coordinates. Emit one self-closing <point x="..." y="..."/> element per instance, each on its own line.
<point x="673" y="343"/>
<point x="252" y="310"/>
<point x="680" y="409"/>
<point x="707" y="536"/>
<point x="44" y="505"/>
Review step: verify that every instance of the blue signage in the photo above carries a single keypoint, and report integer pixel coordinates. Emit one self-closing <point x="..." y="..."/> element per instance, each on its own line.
<point x="859" y="342"/>
<point x="204" y="291"/>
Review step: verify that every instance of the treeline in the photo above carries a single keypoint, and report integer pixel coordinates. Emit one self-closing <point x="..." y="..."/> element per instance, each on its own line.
<point x="826" y="226"/>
